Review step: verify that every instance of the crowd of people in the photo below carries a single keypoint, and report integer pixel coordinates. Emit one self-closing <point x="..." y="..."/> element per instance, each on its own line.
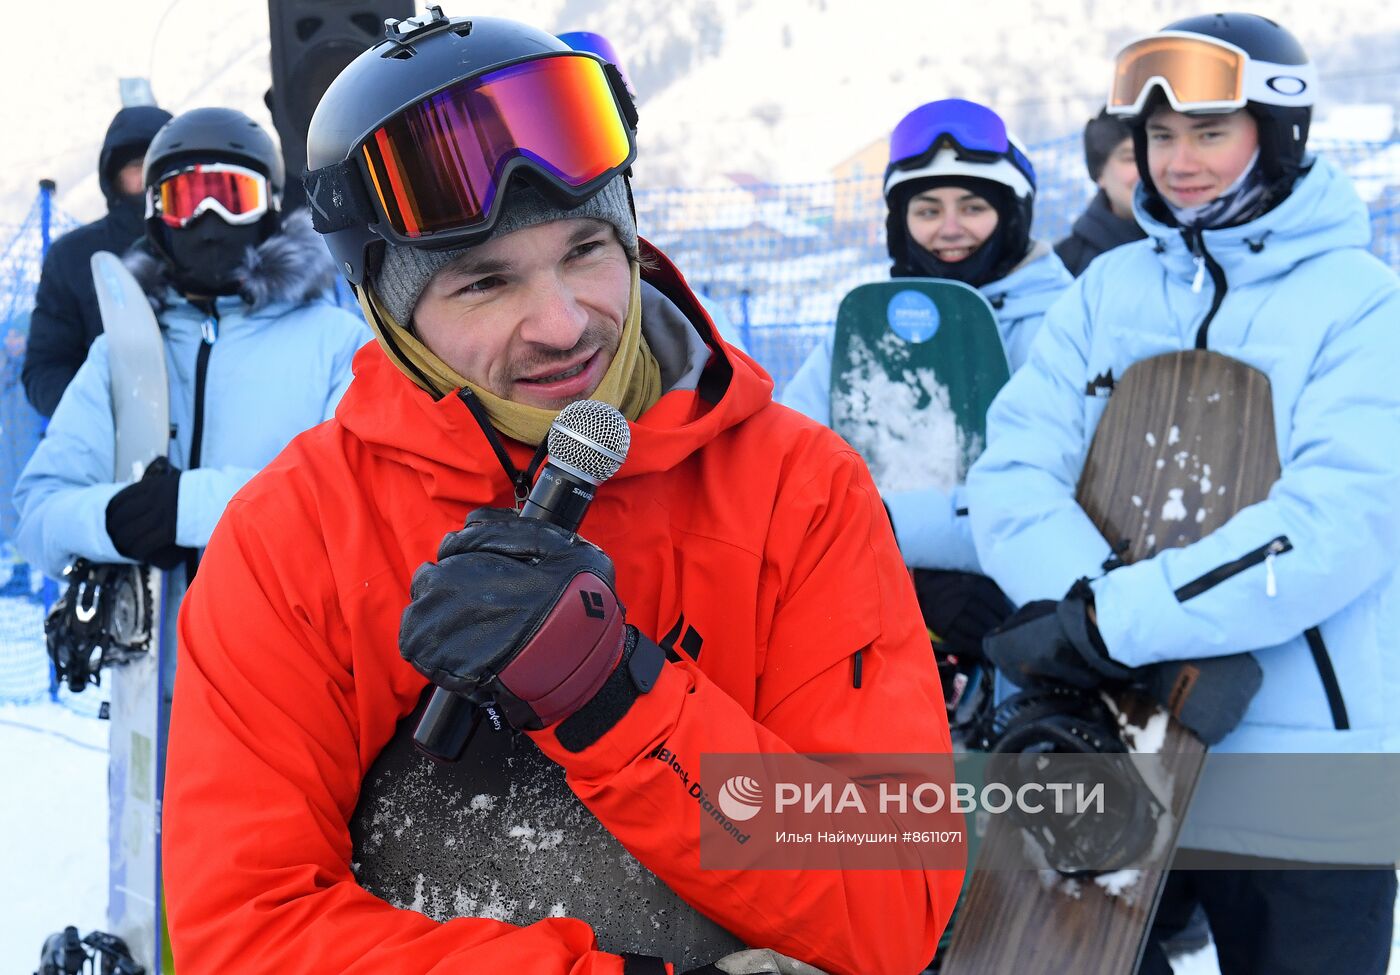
<point x="348" y="534"/>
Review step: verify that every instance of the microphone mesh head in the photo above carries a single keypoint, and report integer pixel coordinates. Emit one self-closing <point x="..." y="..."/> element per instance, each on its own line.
<point x="591" y="438"/>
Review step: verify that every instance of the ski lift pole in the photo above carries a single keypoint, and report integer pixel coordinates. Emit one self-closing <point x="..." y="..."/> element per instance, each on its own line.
<point x="46" y="191"/>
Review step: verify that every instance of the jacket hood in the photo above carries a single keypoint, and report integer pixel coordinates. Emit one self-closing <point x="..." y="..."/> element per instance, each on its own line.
<point x="1323" y="213"/>
<point x="290" y="267"/>
<point x="1031" y="287"/>
<point x="1102" y="229"/>
<point x="442" y="441"/>
<point x="131" y="128"/>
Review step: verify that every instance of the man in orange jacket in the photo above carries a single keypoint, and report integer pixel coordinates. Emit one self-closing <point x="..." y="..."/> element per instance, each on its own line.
<point x="302" y="834"/>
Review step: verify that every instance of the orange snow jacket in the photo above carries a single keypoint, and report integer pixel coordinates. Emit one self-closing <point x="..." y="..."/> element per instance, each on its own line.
<point x="761" y="527"/>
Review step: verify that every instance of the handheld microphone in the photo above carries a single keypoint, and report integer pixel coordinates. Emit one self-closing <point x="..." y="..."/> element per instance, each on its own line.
<point x="588" y="442"/>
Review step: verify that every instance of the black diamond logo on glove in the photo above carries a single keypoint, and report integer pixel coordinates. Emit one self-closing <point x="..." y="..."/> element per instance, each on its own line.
<point x="592" y="604"/>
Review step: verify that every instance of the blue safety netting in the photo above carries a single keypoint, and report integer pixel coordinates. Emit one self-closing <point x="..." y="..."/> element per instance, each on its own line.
<point x="774" y="259"/>
<point x="777" y="259"/>
<point x="24" y="669"/>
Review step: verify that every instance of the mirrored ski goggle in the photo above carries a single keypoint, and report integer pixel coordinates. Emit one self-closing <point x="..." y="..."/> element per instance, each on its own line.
<point x="237" y="194"/>
<point x="438" y="166"/>
<point x="1196" y="73"/>
<point x="973" y="132"/>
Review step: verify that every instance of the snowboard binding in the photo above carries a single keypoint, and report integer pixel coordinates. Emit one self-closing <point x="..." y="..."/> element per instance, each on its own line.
<point x="1078" y="726"/>
<point x="103" y="618"/>
<point x="65" y="953"/>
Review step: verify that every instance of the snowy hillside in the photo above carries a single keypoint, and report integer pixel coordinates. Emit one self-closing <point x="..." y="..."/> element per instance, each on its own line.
<point x="781" y="89"/>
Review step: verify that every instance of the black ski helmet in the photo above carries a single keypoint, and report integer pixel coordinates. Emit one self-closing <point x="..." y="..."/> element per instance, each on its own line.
<point x="212" y="135"/>
<point x="419" y="57"/>
<point x="1280" y="102"/>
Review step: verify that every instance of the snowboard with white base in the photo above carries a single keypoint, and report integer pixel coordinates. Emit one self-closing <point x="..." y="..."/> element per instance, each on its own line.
<point x="141" y="420"/>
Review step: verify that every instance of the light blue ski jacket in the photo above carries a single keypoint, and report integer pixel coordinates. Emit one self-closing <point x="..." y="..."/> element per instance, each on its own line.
<point x="1302" y="300"/>
<point x="276" y="367"/>
<point x="931" y="525"/>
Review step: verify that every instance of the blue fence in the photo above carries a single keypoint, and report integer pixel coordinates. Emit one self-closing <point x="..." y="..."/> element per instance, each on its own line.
<point x="778" y="259"/>
<point x="775" y="259"/>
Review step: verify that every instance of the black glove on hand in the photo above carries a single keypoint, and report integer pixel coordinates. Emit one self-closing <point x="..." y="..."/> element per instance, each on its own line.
<point x="961" y="608"/>
<point x="518" y="612"/>
<point x="1048" y="640"/>
<point x="141" y="517"/>
<point x="1208" y="696"/>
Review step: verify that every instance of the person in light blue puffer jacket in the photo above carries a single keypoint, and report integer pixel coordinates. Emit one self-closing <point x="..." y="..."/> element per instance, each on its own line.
<point x="266" y="356"/>
<point x="960" y="193"/>
<point x="1258" y="252"/>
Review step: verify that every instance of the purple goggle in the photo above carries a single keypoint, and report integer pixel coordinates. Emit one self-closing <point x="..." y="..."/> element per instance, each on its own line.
<point x="975" y="133"/>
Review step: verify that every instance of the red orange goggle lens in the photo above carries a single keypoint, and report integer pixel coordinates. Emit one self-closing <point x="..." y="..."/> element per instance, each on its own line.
<point x="1198" y="73"/>
<point x="237" y="194"/>
<point x="437" y="165"/>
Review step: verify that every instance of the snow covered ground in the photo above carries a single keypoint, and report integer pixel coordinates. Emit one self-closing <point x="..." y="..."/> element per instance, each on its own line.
<point x="53" y="832"/>
<point x="53" y="827"/>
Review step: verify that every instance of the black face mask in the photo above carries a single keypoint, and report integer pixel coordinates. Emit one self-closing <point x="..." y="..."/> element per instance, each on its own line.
<point x="207" y="255"/>
<point x="128" y="211"/>
<point x="977" y="269"/>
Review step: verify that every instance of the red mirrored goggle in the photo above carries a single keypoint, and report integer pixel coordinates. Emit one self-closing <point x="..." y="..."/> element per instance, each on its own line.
<point x="237" y="194"/>
<point x="438" y="166"/>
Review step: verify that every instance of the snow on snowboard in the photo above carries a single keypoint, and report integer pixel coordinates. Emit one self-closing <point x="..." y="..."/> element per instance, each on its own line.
<point x="1186" y="441"/>
<point x="141" y="418"/>
<point x="915" y="364"/>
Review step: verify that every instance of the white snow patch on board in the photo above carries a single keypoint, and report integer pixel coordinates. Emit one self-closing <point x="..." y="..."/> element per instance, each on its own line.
<point x="906" y="447"/>
<point x="1173" y="509"/>
<point x="1173" y="435"/>
<point x="1115" y="883"/>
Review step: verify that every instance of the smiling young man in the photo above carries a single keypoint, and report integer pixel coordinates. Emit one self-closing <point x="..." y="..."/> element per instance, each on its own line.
<point x="1256" y="250"/>
<point x="302" y="831"/>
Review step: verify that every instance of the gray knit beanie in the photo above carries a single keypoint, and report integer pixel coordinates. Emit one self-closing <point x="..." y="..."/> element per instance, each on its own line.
<point x="404" y="272"/>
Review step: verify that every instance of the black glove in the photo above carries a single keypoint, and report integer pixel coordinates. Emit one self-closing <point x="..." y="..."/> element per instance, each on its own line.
<point x="1055" y="641"/>
<point x="519" y="613"/>
<point x="961" y="608"/>
<point x="1208" y="696"/>
<point x="141" y="517"/>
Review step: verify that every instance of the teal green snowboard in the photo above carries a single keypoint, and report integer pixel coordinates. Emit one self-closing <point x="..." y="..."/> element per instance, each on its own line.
<point x="915" y="365"/>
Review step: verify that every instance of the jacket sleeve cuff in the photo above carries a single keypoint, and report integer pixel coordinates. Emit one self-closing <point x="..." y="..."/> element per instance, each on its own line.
<point x="204" y="493"/>
<point x="647" y="723"/>
<point x="930" y="532"/>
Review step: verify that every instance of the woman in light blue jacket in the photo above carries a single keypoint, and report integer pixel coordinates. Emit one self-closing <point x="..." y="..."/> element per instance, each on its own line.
<point x="960" y="193"/>
<point x="1258" y="252"/>
<point x="265" y="356"/>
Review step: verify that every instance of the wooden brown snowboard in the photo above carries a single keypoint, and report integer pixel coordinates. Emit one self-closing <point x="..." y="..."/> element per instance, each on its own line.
<point x="1186" y="441"/>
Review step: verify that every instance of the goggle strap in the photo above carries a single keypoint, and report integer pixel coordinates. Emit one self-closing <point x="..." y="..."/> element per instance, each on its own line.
<point x="624" y="94"/>
<point x="337" y="197"/>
